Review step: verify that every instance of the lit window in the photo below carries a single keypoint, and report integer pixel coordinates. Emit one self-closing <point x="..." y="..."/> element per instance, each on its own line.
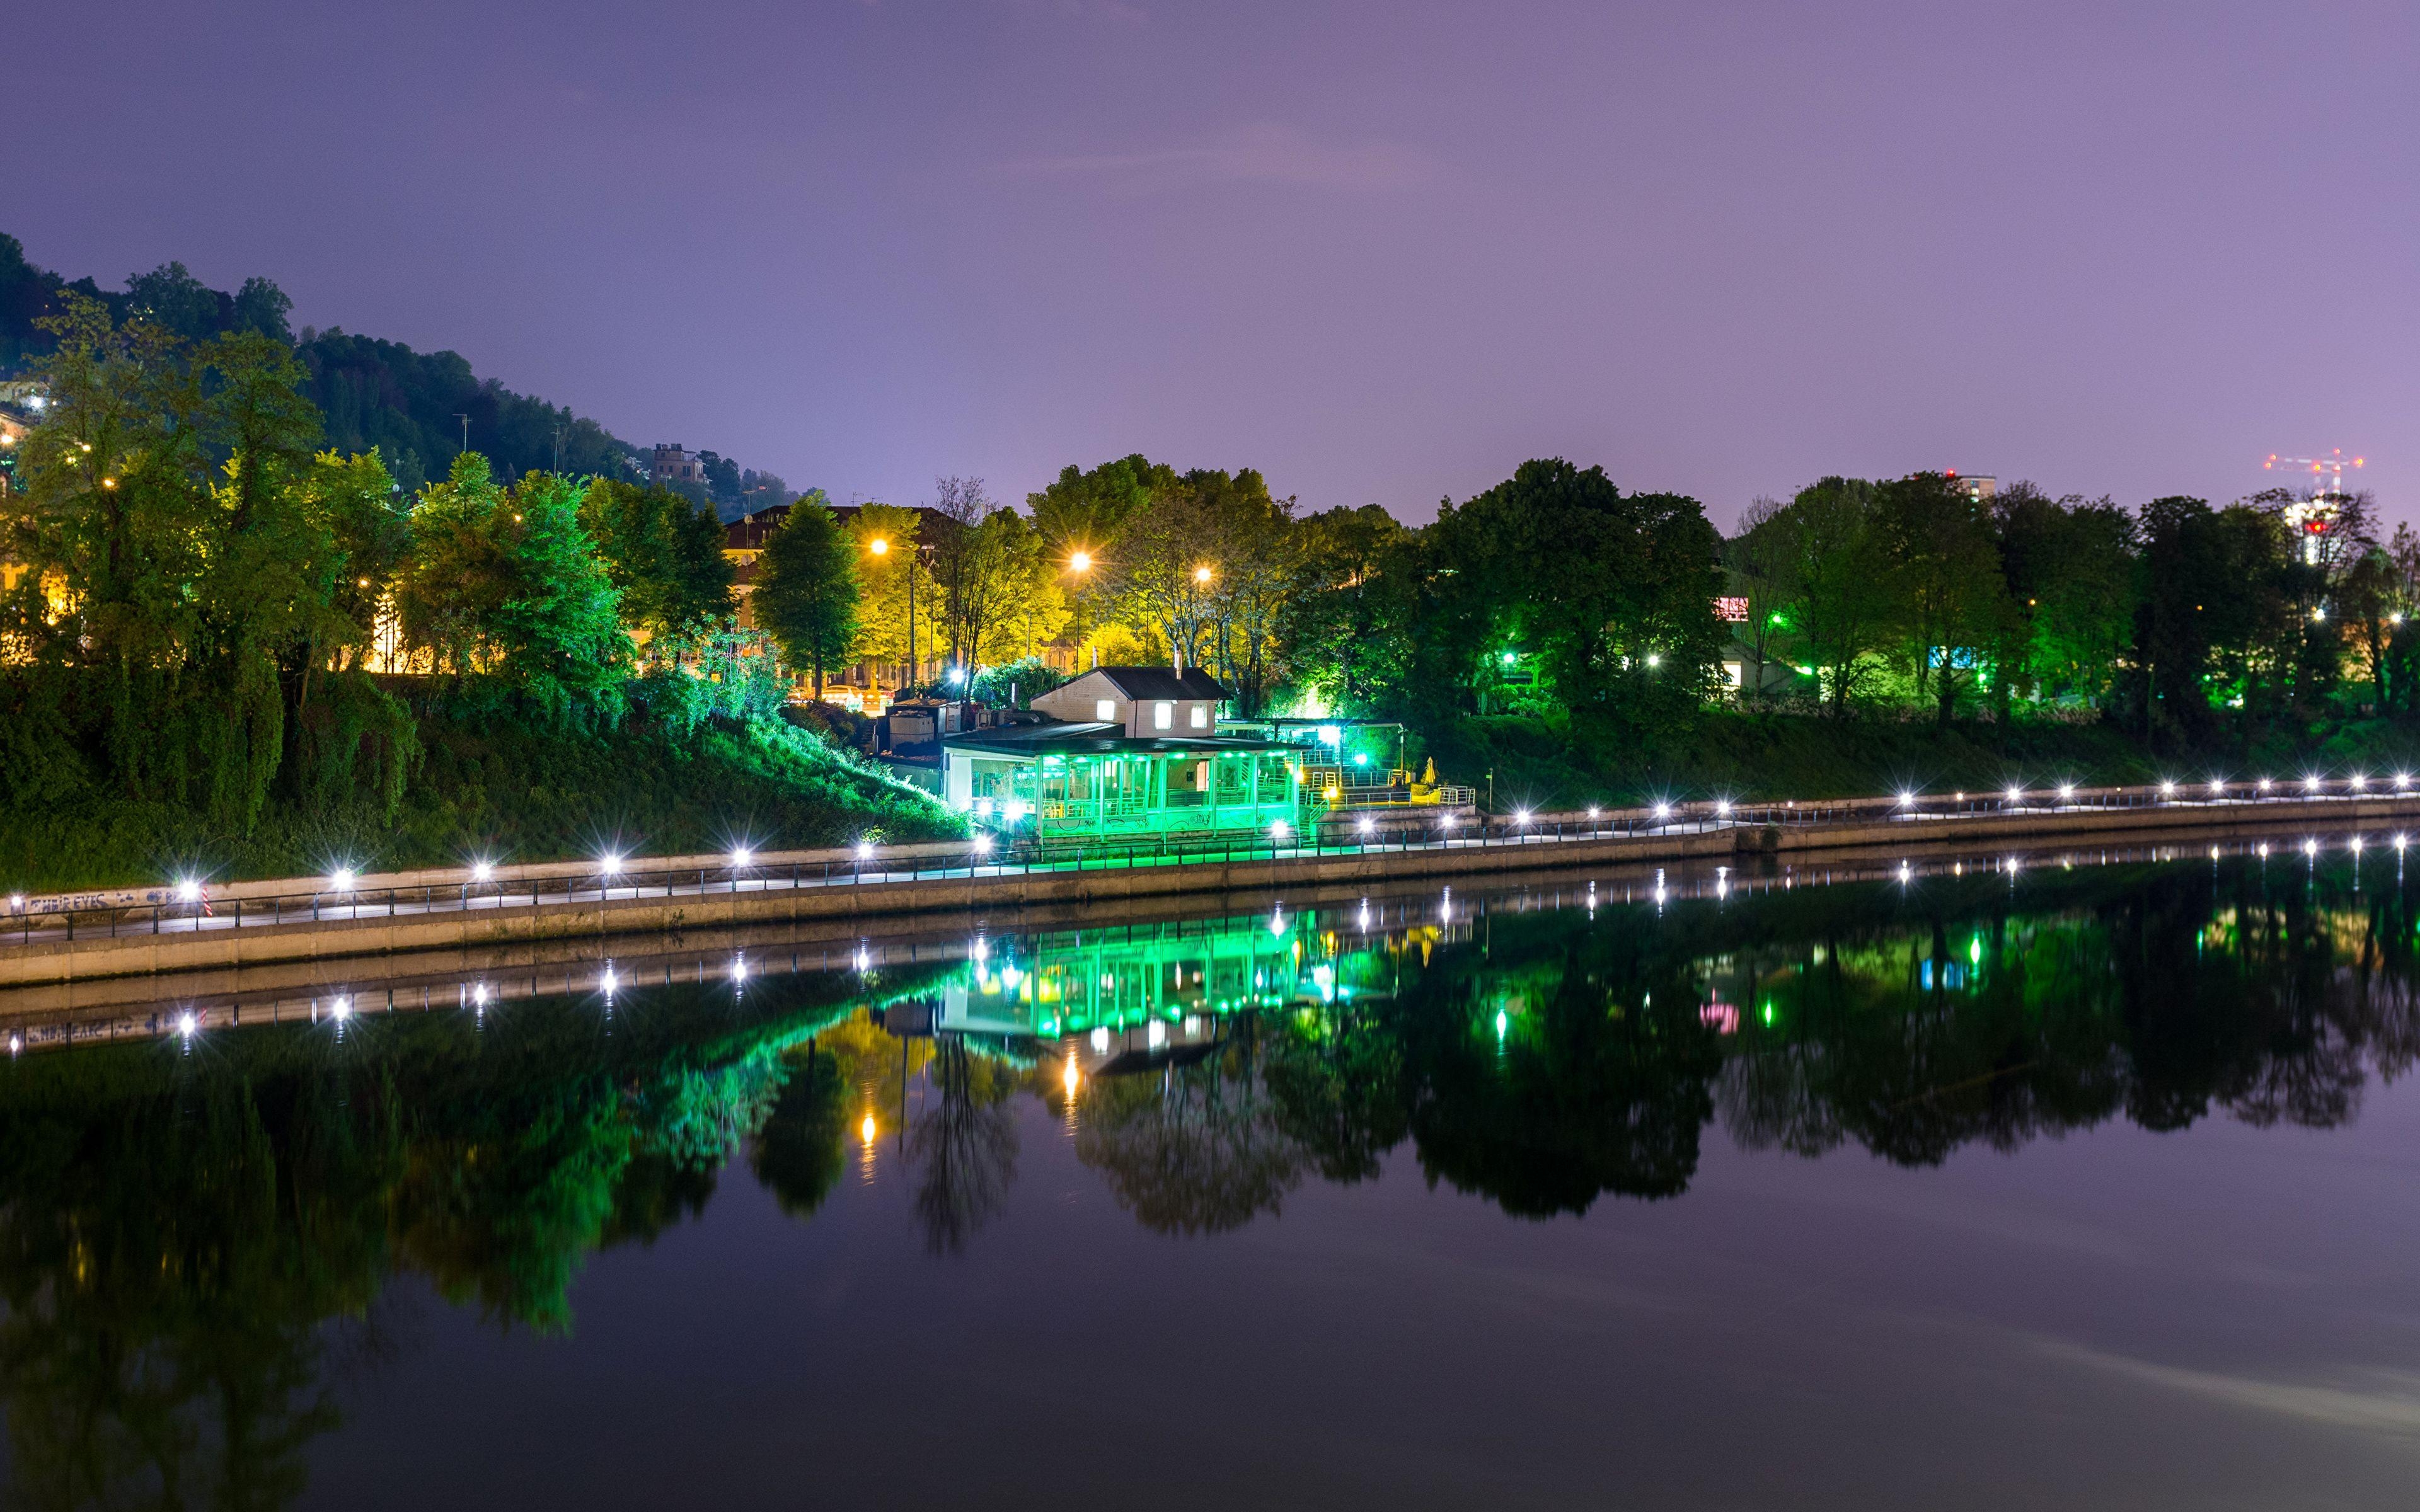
<point x="1202" y="717"/>
<point x="1106" y="710"/>
<point x="1163" y="715"/>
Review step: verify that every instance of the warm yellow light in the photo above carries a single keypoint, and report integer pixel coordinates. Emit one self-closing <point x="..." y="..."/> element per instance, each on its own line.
<point x="1071" y="1076"/>
<point x="865" y="1130"/>
<point x="877" y="545"/>
<point x="361" y="583"/>
<point x="516" y="519"/>
<point x="1081" y="561"/>
<point x="1201" y="575"/>
<point x="109" y="483"/>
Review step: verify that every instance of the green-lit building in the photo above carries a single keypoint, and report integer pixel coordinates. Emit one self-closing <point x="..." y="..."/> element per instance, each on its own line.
<point x="1095" y="781"/>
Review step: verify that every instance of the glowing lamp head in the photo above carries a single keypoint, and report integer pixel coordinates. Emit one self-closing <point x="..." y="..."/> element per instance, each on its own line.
<point x="1279" y="829"/>
<point x="1905" y="797"/>
<point x="1367" y="823"/>
<point x="879" y="547"/>
<point x="1201" y="574"/>
<point x="2167" y="789"/>
<point x="2066" y="790"/>
<point x="189" y="891"/>
<point x="865" y="850"/>
<point x="1663" y="810"/>
<point x="342" y="879"/>
<point x="1080" y="562"/>
<point x="742" y="857"/>
<point x="481" y="870"/>
<point x="983" y="845"/>
<point x="611" y="866"/>
<point x="1521" y="816"/>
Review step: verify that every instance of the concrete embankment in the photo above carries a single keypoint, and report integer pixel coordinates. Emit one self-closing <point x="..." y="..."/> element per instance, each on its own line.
<point x="1006" y="891"/>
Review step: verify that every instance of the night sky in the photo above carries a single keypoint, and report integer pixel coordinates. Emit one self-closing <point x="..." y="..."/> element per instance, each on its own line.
<point x="1381" y="251"/>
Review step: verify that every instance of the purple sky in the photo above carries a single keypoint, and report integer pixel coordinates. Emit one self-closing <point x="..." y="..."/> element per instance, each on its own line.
<point x="1381" y="251"/>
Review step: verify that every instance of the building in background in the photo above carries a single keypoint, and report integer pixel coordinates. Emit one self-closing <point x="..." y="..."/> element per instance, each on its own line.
<point x="671" y="466"/>
<point x="1980" y="487"/>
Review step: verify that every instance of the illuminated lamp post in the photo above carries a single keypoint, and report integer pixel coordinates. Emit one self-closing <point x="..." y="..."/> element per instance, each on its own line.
<point x="880" y="547"/>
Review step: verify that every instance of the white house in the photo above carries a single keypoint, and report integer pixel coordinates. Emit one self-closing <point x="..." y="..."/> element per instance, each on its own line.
<point x="1144" y="700"/>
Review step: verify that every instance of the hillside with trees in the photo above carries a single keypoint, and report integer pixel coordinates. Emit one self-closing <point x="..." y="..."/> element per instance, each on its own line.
<point x="228" y="647"/>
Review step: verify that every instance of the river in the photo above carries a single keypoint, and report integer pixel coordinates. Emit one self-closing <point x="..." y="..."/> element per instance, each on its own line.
<point x="1995" y="1186"/>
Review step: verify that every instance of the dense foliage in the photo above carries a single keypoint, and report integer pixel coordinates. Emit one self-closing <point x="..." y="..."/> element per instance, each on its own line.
<point x="219" y="639"/>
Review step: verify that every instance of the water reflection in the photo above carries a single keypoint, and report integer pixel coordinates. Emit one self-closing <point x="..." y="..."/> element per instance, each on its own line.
<point x="195" y="1232"/>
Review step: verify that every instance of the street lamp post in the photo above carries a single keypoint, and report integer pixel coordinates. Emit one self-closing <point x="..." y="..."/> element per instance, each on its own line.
<point x="880" y="547"/>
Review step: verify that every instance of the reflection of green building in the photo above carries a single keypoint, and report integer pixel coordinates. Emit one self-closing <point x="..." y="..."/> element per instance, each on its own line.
<point x="1059" y="985"/>
<point x="1085" y="781"/>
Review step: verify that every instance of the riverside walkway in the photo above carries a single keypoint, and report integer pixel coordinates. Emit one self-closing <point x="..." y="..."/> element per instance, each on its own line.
<point x="182" y="923"/>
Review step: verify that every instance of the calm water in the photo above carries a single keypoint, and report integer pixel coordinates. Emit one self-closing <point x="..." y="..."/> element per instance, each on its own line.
<point x="2055" y="1189"/>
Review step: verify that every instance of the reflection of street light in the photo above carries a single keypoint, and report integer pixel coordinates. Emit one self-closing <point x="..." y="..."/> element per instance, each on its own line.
<point x="1071" y="1076"/>
<point x="865" y="1130"/>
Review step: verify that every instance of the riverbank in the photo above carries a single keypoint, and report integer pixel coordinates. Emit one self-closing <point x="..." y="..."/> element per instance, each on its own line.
<point x="455" y="910"/>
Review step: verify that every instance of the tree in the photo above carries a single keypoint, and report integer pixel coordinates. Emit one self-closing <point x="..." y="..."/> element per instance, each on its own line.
<point x="662" y="554"/>
<point x="896" y="581"/>
<point x="2069" y="568"/>
<point x="1955" y="609"/>
<point x="1257" y="551"/>
<point x="1760" y="562"/>
<point x="509" y="585"/>
<point x="1347" y="623"/>
<point x="1166" y="572"/>
<point x="1610" y="595"/>
<point x="807" y="596"/>
<point x="722" y="477"/>
<point x="557" y="634"/>
<point x="1848" y="603"/>
<point x="1082" y="515"/>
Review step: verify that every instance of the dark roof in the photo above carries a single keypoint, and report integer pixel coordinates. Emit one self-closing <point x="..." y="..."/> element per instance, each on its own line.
<point x="748" y="533"/>
<point x="1094" y="739"/>
<point x="1161" y="681"/>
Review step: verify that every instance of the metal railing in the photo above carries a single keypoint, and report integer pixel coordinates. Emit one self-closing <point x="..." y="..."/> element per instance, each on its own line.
<point x="29" y="921"/>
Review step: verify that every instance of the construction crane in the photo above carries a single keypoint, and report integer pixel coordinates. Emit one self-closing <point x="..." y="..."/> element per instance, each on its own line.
<point x="2311" y="518"/>
<point x="2328" y="470"/>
